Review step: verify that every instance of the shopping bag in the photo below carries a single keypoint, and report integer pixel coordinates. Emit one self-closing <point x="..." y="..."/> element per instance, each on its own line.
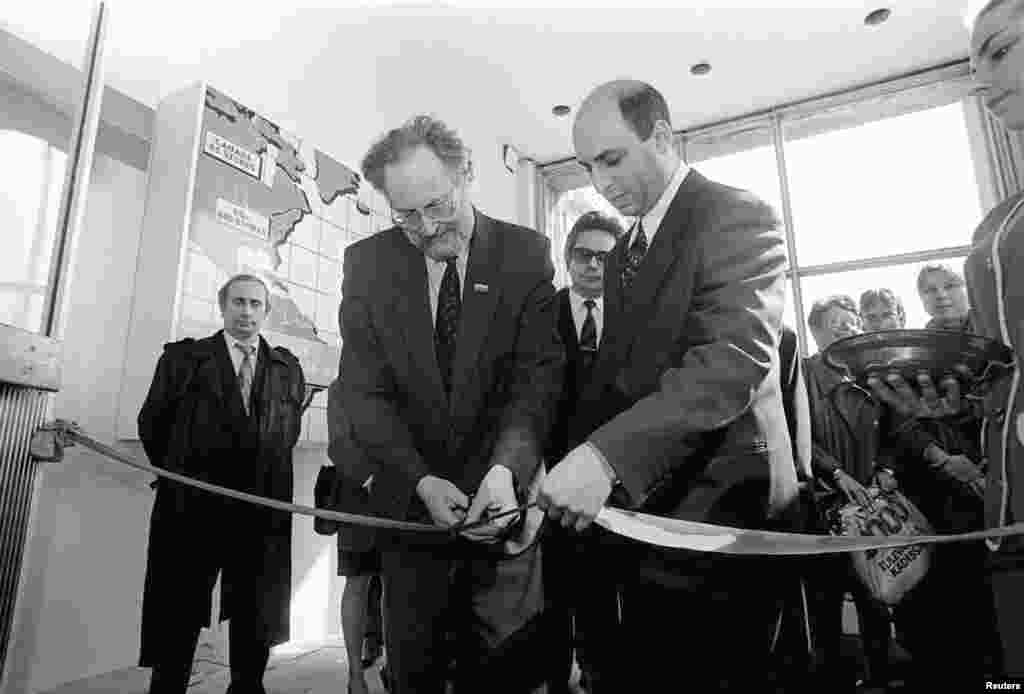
<point x="889" y="573"/>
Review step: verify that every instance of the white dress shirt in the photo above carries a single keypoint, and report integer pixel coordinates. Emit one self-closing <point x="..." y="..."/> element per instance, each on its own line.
<point x="236" y="354"/>
<point x="652" y="220"/>
<point x="579" y="313"/>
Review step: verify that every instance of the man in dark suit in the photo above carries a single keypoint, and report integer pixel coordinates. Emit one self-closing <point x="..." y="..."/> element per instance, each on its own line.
<point x="682" y="415"/>
<point x="226" y="409"/>
<point x="593" y="606"/>
<point x="450" y="371"/>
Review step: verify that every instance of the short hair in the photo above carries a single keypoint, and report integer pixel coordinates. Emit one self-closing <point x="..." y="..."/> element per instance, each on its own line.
<point x="641" y="106"/>
<point x="592" y="221"/>
<point x="979" y="7"/>
<point x="884" y="296"/>
<point x="222" y="293"/>
<point x="817" y="314"/>
<point x="421" y="130"/>
<point x="937" y="267"/>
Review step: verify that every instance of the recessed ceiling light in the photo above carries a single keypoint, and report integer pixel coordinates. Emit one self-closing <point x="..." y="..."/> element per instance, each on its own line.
<point x="561" y="110"/>
<point x="700" y="68"/>
<point x="877" y="16"/>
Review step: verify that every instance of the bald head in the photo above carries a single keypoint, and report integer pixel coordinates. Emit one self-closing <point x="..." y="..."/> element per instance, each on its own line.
<point x="623" y="138"/>
<point x="639" y="104"/>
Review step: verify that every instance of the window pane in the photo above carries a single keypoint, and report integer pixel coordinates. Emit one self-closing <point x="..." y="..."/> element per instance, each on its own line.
<point x="31" y="181"/>
<point x="901" y="279"/>
<point x="741" y="159"/>
<point x="890" y="186"/>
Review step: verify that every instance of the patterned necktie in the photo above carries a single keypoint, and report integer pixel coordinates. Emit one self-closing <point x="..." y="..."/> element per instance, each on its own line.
<point x="635" y="255"/>
<point x="245" y="373"/>
<point x="588" y="336"/>
<point x="449" y="307"/>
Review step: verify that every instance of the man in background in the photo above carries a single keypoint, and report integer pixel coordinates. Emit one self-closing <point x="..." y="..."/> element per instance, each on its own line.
<point x="881" y="309"/>
<point x="226" y="409"/>
<point x="584" y="614"/>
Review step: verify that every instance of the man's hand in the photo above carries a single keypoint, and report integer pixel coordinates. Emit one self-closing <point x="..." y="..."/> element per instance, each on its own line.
<point x="853" y="489"/>
<point x="577" y="488"/>
<point x="963" y="470"/>
<point x="925" y="402"/>
<point x="886" y="481"/>
<point x="444" y="500"/>
<point x="496" y="494"/>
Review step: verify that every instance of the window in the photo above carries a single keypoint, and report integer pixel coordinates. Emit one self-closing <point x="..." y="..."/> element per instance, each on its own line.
<point x="883" y="188"/>
<point x="31" y="181"/>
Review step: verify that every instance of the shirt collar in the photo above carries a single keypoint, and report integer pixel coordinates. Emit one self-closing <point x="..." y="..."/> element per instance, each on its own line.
<point x="231" y="341"/>
<point x="576" y="301"/>
<point x="652" y="220"/>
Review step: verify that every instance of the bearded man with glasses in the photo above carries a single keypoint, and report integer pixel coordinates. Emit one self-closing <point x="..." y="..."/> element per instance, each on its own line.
<point x="450" y="372"/>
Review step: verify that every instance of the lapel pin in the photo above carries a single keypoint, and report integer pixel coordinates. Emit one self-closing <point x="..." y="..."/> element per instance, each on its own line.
<point x="481" y="288"/>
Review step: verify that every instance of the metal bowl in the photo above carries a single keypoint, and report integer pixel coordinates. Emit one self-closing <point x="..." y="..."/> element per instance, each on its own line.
<point x="911" y="352"/>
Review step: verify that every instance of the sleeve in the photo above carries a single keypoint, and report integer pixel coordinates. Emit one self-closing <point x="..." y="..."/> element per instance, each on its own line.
<point x="536" y="378"/>
<point x="734" y="322"/>
<point x="156" y="418"/>
<point x="368" y="390"/>
<point x="341" y="449"/>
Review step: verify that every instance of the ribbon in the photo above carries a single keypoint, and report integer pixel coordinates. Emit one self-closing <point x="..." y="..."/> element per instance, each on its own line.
<point x="670" y="533"/>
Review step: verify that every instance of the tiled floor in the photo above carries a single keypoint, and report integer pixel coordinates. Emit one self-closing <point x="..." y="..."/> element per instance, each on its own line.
<point x="317" y="668"/>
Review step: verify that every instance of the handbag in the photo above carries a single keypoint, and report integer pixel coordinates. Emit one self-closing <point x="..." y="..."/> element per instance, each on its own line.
<point x="889" y="573"/>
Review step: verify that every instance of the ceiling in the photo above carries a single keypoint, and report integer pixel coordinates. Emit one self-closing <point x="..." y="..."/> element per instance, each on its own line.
<point x="342" y="75"/>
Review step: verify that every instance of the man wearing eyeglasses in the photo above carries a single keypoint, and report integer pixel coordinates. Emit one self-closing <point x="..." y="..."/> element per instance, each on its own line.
<point x="593" y="606"/>
<point x="450" y="372"/>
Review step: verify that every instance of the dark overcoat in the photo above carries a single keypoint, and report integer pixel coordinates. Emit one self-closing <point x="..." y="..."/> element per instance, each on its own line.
<point x="194" y="422"/>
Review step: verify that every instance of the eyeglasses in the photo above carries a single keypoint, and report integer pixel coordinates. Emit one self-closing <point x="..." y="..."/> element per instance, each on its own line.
<point x="583" y="256"/>
<point x="441" y="209"/>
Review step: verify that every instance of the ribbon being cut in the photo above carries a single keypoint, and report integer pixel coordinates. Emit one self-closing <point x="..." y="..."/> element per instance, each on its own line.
<point x="50" y="440"/>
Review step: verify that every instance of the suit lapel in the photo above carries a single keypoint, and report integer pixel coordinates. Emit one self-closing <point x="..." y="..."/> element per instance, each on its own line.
<point x="413" y="308"/>
<point x="229" y="382"/>
<point x="626" y="315"/>
<point x="604" y="365"/>
<point x="479" y="299"/>
<point x="567" y="326"/>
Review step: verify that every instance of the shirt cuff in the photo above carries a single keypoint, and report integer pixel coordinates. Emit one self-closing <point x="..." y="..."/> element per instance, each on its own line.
<point x="605" y="465"/>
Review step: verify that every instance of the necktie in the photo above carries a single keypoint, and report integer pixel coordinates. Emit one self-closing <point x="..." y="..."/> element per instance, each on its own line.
<point x="245" y="373"/>
<point x="588" y="336"/>
<point x="636" y="253"/>
<point x="449" y="307"/>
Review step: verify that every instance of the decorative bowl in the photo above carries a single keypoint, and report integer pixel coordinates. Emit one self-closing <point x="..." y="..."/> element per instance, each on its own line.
<point x="911" y="352"/>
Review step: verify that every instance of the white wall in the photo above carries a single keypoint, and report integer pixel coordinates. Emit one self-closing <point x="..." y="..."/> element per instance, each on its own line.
<point x="78" y="611"/>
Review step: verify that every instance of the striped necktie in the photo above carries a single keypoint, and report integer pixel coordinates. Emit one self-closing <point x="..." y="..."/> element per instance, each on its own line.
<point x="634" y="256"/>
<point x="245" y="373"/>
<point x="588" y="336"/>
<point x="446" y="325"/>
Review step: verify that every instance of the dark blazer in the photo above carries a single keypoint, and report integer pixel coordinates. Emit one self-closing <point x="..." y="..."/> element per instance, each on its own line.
<point x="507" y="372"/>
<point x="684" y="400"/>
<point x="193" y="422"/>
<point x="575" y="376"/>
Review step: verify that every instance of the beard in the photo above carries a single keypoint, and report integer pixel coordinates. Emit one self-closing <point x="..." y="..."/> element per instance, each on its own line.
<point x="449" y="240"/>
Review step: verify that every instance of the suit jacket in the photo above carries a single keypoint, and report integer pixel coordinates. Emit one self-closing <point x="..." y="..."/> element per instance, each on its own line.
<point x="575" y="376"/>
<point x="193" y="422"/>
<point x="506" y="375"/>
<point x="684" y="399"/>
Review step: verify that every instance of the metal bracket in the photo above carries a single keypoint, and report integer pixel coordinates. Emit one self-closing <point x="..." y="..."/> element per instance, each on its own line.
<point x="50" y="440"/>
